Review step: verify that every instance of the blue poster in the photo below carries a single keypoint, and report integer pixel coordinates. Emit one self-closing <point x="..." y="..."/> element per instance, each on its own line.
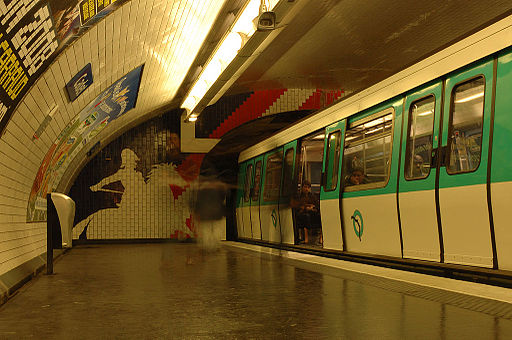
<point x="112" y="103"/>
<point x="79" y="83"/>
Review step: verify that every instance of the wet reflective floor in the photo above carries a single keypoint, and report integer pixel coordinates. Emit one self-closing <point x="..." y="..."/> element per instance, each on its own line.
<point x="178" y="290"/>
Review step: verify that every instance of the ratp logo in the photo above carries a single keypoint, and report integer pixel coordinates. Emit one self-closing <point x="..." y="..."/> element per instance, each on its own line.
<point x="274" y="218"/>
<point x="357" y="222"/>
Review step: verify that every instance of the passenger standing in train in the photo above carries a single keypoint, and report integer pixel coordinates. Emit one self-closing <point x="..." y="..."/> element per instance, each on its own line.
<point x="306" y="207"/>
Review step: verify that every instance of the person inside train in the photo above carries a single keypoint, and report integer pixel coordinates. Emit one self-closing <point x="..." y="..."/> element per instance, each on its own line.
<point x="418" y="167"/>
<point x="307" y="213"/>
<point x="356" y="177"/>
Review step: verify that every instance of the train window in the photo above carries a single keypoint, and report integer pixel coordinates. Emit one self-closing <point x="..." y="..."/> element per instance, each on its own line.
<point x="466" y="121"/>
<point x="257" y="182"/>
<point x="288" y="172"/>
<point x="310" y="163"/>
<point x="418" y="152"/>
<point x="248" y="182"/>
<point x="332" y="161"/>
<point x="273" y="177"/>
<point x="367" y="153"/>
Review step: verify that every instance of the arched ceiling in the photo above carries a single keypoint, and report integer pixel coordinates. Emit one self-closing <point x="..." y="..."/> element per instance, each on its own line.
<point x="336" y="44"/>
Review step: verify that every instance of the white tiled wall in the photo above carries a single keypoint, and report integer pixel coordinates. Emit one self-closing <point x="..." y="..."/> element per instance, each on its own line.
<point x="165" y="35"/>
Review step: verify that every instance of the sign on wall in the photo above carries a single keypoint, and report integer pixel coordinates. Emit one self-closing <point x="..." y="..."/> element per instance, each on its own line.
<point x="79" y="83"/>
<point x="32" y="32"/>
<point x="112" y="103"/>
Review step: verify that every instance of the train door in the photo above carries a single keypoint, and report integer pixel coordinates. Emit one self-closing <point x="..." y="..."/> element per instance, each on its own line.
<point x="417" y="201"/>
<point x="370" y="165"/>
<point x="240" y="200"/>
<point x="285" y="210"/>
<point x="269" y="201"/>
<point x="255" y="199"/>
<point x="306" y="197"/>
<point x="246" y="206"/>
<point x="462" y="182"/>
<point x="501" y="166"/>
<point x="330" y="190"/>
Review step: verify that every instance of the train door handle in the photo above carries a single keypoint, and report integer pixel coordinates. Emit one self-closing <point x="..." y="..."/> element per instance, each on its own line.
<point x="433" y="159"/>
<point x="438" y="153"/>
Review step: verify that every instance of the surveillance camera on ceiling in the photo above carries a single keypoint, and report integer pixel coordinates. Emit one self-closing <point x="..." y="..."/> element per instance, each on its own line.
<point x="266" y="21"/>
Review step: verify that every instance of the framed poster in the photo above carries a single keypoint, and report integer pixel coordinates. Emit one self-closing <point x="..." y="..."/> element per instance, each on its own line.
<point x="79" y="83"/>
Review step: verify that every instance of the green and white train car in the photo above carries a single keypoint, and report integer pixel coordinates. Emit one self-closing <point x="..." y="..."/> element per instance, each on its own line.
<point x="433" y="147"/>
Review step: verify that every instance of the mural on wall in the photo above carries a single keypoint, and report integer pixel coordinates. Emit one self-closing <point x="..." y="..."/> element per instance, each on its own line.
<point x="32" y="33"/>
<point x="139" y="186"/>
<point x="112" y="103"/>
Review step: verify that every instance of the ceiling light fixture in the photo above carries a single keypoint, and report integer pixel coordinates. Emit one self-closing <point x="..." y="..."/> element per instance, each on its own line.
<point x="241" y="31"/>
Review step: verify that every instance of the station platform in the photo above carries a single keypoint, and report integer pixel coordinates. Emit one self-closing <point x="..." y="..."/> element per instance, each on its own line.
<point x="242" y="291"/>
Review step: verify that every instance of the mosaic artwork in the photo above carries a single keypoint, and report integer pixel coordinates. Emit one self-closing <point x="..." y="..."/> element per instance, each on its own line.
<point x="139" y="186"/>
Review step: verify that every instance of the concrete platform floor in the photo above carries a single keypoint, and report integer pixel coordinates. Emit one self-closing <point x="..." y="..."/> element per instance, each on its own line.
<point x="178" y="290"/>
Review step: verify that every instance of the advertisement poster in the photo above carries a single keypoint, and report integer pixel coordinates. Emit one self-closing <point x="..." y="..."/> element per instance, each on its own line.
<point x="27" y="42"/>
<point x="32" y="32"/>
<point x="112" y="103"/>
<point x="67" y="18"/>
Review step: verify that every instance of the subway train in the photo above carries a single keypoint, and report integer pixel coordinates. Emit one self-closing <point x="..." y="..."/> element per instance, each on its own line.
<point x="418" y="166"/>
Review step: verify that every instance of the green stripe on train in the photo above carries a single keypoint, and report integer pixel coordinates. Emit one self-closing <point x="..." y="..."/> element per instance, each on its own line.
<point x="502" y="146"/>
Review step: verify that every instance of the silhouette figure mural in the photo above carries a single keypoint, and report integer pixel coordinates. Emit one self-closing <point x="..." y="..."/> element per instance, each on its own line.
<point x="150" y="193"/>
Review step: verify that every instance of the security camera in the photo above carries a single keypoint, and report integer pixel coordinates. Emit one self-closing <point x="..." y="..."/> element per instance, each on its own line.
<point x="266" y="21"/>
